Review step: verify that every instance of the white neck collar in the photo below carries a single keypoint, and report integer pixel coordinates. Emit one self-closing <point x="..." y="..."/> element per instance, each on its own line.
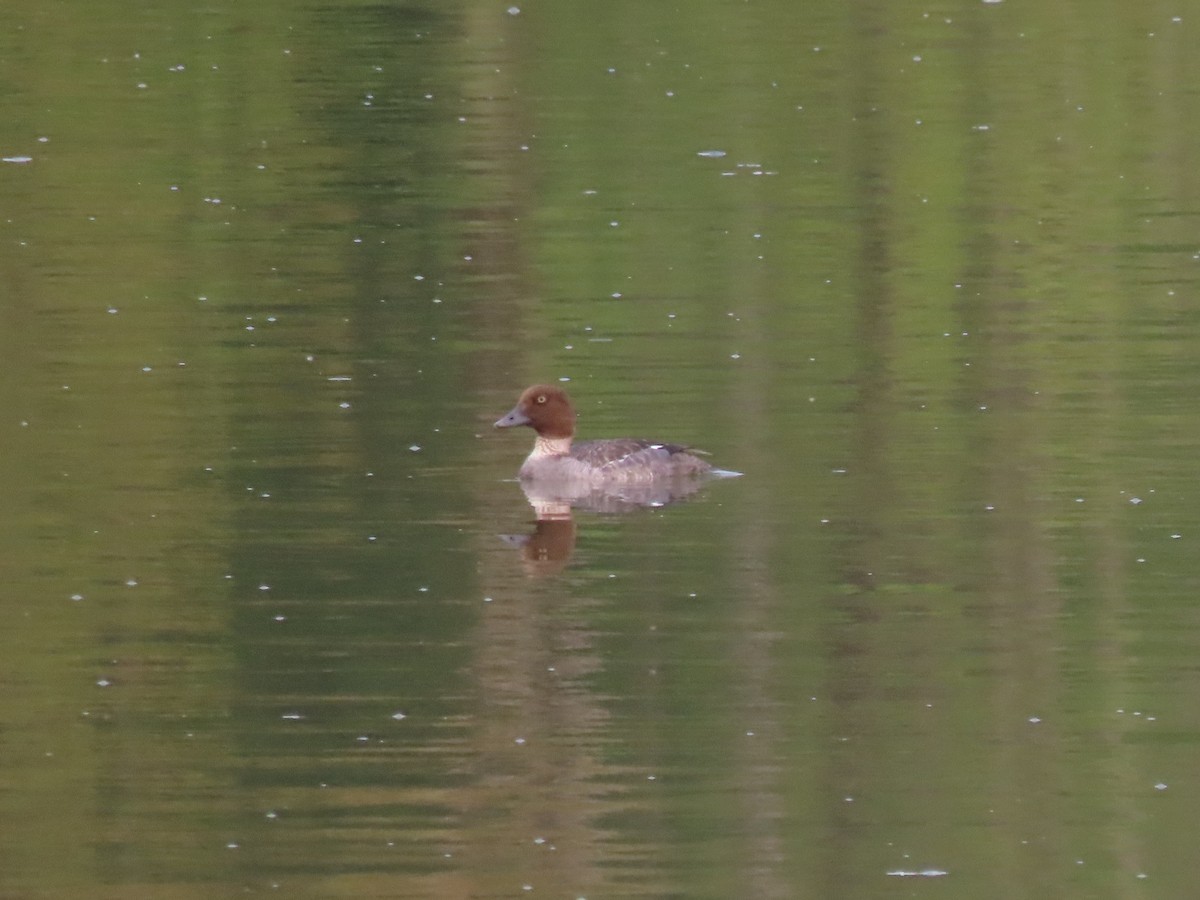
<point x="547" y="446"/>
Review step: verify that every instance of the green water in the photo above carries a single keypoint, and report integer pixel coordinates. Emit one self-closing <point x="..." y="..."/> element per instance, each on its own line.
<point x="927" y="275"/>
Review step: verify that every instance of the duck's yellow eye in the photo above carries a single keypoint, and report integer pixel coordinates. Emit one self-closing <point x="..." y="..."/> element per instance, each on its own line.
<point x="541" y="398"/>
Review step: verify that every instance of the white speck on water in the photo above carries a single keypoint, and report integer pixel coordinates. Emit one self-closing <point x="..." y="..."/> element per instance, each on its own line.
<point x="103" y="682"/>
<point x="920" y="873"/>
<point x="1160" y="786"/>
<point x="1135" y="500"/>
<point x="264" y="587"/>
<point x="279" y="618"/>
<point x="344" y="405"/>
<point x="520" y="742"/>
<point x="415" y="448"/>
<point x="514" y="10"/>
<point x="1035" y="720"/>
<point x="292" y="717"/>
<point x="17" y="159"/>
<point x="399" y="716"/>
<point x="712" y="154"/>
<point x="77" y="597"/>
<point x="131" y="582"/>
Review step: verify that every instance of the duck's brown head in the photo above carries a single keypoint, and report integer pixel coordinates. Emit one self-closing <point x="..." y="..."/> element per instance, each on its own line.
<point x="544" y="408"/>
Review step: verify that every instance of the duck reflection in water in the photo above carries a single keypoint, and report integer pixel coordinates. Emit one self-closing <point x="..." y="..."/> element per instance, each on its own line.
<point x="548" y="548"/>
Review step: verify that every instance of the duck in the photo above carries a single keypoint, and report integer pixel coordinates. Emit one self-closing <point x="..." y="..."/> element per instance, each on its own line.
<point x="557" y="457"/>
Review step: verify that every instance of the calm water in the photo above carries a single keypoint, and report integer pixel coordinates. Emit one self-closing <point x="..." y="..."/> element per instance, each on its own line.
<point x="276" y="618"/>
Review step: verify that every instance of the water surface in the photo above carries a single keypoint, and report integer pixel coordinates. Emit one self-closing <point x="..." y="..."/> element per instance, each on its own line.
<point x="273" y="619"/>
